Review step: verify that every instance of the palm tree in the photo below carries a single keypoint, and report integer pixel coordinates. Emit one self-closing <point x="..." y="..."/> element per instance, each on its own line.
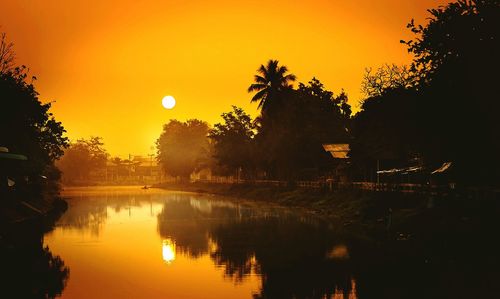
<point x="269" y="81"/>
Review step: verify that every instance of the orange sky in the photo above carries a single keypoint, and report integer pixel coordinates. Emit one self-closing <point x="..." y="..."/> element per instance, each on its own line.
<point x="107" y="64"/>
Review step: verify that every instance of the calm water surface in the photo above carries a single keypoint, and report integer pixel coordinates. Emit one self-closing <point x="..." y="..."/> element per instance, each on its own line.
<point x="125" y="242"/>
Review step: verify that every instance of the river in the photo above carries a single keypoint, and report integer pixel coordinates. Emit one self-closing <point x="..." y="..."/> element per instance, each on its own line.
<point x="126" y="242"/>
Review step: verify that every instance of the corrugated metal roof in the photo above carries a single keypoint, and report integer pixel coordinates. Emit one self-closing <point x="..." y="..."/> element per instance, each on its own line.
<point x="443" y="168"/>
<point x="11" y="156"/>
<point x="337" y="150"/>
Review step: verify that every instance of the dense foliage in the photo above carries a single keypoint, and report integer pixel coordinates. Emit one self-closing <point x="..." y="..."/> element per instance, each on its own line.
<point x="26" y="125"/>
<point x="233" y="144"/>
<point x="183" y="147"/>
<point x="82" y="158"/>
<point x="290" y="141"/>
<point x="444" y="107"/>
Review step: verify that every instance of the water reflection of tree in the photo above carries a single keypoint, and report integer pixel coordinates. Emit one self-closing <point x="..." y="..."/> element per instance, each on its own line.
<point x="291" y="255"/>
<point x="29" y="270"/>
<point x="90" y="216"/>
<point x="188" y="222"/>
<point x="91" y="211"/>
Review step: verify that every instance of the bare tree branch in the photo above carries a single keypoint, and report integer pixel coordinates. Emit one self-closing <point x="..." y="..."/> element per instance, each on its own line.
<point x="386" y="77"/>
<point x="7" y="55"/>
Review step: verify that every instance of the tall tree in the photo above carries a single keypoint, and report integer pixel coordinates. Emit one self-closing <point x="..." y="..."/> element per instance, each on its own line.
<point x="460" y="37"/>
<point x="290" y="142"/>
<point x="183" y="147"/>
<point x="443" y="107"/>
<point x="456" y="58"/>
<point x="26" y="125"/>
<point x="233" y="140"/>
<point x="268" y="82"/>
<point x="386" y="129"/>
<point x="82" y="158"/>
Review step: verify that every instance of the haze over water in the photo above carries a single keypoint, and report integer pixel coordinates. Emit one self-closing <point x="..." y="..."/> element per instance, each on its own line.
<point x="111" y="239"/>
<point x="126" y="242"/>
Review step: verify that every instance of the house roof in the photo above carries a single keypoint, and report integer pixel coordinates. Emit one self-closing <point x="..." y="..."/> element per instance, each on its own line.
<point x="4" y="154"/>
<point x="337" y="150"/>
<point x="443" y="168"/>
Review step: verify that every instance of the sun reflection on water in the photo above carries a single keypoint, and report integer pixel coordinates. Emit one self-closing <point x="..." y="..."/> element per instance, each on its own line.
<point x="338" y="252"/>
<point x="168" y="251"/>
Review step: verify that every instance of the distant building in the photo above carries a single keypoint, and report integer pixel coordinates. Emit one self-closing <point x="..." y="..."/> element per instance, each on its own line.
<point x="337" y="150"/>
<point x="204" y="174"/>
<point x="137" y="170"/>
<point x="340" y="155"/>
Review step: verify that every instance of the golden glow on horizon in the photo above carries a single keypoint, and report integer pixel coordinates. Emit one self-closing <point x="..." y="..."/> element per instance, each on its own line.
<point x="107" y="64"/>
<point x="168" y="102"/>
<point x="168" y="251"/>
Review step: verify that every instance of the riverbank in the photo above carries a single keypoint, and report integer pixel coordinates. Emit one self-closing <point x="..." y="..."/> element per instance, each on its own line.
<point x="22" y="217"/>
<point x="445" y="227"/>
<point x="29" y="269"/>
<point x="369" y="210"/>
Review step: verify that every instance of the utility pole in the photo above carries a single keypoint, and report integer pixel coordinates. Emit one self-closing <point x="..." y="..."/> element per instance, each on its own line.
<point x="129" y="165"/>
<point x="151" y="165"/>
<point x="152" y="148"/>
<point x="378" y="169"/>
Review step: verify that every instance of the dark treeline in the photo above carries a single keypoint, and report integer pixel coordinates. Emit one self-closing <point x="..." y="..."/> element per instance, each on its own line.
<point x="31" y="140"/>
<point x="285" y="141"/>
<point x="29" y="128"/>
<point x="26" y="127"/>
<point x="441" y="108"/>
<point x="444" y="107"/>
<point x="87" y="162"/>
<point x="82" y="158"/>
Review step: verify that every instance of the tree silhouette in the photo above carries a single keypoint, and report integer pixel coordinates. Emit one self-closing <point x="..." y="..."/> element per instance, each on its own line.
<point x="81" y="158"/>
<point x="459" y="36"/>
<point x="456" y="60"/>
<point x="442" y="108"/>
<point x="387" y="130"/>
<point x="233" y="140"/>
<point x="26" y="125"/>
<point x="183" y="147"/>
<point x="386" y="78"/>
<point x="7" y="55"/>
<point x="269" y="81"/>
<point x="290" y="142"/>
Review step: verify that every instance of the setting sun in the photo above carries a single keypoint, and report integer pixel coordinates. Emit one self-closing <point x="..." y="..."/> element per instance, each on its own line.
<point x="168" y="102"/>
